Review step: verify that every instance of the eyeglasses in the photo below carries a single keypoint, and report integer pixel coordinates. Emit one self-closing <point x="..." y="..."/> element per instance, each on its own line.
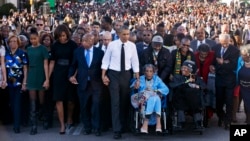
<point x="185" y="45"/>
<point x="146" y="35"/>
<point x="39" y="24"/>
<point x="106" y="39"/>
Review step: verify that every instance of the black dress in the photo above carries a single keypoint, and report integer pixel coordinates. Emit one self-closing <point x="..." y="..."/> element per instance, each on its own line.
<point x="244" y="80"/>
<point x="62" y="54"/>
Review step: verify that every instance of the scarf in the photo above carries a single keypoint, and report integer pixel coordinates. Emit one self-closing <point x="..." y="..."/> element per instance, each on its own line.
<point x="178" y="62"/>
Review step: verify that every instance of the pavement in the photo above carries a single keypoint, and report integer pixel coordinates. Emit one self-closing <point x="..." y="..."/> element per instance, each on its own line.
<point x="212" y="133"/>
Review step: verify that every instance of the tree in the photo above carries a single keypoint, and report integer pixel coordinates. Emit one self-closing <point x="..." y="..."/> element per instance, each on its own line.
<point x="7" y="9"/>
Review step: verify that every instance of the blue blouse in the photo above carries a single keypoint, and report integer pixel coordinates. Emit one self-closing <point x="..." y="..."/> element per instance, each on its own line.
<point x="14" y="65"/>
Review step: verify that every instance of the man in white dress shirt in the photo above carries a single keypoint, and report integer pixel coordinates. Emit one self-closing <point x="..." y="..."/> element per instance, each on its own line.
<point x="118" y="63"/>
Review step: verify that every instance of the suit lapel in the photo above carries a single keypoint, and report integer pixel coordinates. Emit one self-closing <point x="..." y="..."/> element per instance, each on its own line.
<point x="94" y="57"/>
<point x="227" y="53"/>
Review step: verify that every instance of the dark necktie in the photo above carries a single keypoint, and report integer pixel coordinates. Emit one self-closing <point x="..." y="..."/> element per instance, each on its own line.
<point x="122" y="58"/>
<point x="222" y="51"/>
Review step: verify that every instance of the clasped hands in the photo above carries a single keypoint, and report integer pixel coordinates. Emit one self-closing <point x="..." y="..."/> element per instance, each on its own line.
<point x="221" y="61"/>
<point x="73" y="80"/>
<point x="3" y="84"/>
<point x="191" y="83"/>
<point x="105" y="80"/>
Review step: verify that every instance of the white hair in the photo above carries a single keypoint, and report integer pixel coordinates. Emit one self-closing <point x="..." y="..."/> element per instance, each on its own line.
<point x="107" y="34"/>
<point x="245" y="50"/>
<point x="23" y="37"/>
<point x="224" y="37"/>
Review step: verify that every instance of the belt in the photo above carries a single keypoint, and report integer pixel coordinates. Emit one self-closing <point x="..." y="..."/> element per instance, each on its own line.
<point x="63" y="62"/>
<point x="120" y="71"/>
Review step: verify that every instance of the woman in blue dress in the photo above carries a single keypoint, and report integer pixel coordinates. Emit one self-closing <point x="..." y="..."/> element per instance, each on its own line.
<point x="152" y="88"/>
<point x="243" y="78"/>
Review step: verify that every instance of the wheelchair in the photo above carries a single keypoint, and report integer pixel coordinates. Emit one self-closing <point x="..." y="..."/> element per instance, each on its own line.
<point x="137" y="116"/>
<point x="174" y="124"/>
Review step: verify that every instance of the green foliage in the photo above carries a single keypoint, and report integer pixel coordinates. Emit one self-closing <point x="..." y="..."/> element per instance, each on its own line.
<point x="6" y="9"/>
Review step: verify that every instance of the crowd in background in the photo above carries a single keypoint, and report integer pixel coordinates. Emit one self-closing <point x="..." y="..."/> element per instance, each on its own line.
<point x="188" y="30"/>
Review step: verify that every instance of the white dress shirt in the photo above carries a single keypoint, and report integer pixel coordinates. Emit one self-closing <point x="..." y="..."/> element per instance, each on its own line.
<point x="200" y="42"/>
<point x="112" y="56"/>
<point x="104" y="48"/>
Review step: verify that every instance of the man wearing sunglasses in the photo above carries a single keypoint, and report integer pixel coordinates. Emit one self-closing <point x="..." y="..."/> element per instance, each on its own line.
<point x="181" y="54"/>
<point x="39" y="25"/>
<point x="146" y="37"/>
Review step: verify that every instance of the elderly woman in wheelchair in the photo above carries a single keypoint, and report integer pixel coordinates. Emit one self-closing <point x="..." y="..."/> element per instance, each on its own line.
<point x="150" y="92"/>
<point x="187" y="94"/>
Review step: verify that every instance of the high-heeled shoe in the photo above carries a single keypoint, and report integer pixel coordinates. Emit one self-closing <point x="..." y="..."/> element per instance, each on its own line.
<point x="144" y="131"/>
<point x="62" y="132"/>
<point x="158" y="130"/>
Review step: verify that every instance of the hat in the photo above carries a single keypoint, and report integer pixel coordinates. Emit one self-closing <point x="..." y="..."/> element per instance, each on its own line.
<point x="190" y="64"/>
<point x="157" y="39"/>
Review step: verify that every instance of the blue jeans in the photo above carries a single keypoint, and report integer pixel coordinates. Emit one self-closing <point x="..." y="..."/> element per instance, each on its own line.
<point x="15" y="103"/>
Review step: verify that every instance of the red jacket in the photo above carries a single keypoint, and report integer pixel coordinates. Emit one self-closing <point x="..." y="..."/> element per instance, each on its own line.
<point x="203" y="72"/>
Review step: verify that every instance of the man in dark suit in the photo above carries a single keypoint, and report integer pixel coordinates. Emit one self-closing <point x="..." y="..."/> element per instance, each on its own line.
<point x="225" y="63"/>
<point x="200" y="35"/>
<point x="140" y="46"/>
<point x="87" y="62"/>
<point x="5" y="111"/>
<point x="159" y="56"/>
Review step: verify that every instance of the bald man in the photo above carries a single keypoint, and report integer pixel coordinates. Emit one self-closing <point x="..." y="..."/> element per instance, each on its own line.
<point x="201" y="39"/>
<point x="87" y="61"/>
<point x="106" y="39"/>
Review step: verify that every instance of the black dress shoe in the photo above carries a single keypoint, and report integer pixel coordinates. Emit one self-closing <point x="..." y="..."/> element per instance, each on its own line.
<point x="97" y="133"/>
<point x="33" y="131"/>
<point x="87" y="132"/>
<point x="117" y="135"/>
<point x="227" y="126"/>
<point x="220" y="122"/>
<point x="45" y="125"/>
<point x="16" y="130"/>
<point x="62" y="133"/>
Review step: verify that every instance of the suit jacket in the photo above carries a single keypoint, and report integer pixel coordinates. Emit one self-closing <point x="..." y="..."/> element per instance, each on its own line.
<point x="203" y="70"/>
<point x="5" y="44"/>
<point x="245" y="36"/>
<point x="94" y="72"/>
<point x="193" y="44"/>
<point x="225" y="73"/>
<point x="139" y="48"/>
<point x="164" y="62"/>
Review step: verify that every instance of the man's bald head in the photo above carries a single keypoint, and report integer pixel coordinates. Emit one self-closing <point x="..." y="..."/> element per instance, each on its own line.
<point x="88" y="40"/>
<point x="107" y="38"/>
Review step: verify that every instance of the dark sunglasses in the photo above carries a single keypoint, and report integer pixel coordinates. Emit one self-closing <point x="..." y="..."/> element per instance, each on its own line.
<point x="146" y="35"/>
<point x="185" y="45"/>
<point x="39" y="24"/>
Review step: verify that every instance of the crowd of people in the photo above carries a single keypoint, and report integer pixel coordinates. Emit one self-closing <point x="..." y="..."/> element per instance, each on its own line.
<point x="81" y="59"/>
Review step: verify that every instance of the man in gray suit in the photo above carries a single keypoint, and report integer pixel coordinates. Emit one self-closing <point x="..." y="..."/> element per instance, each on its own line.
<point x="246" y="33"/>
<point x="200" y="39"/>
